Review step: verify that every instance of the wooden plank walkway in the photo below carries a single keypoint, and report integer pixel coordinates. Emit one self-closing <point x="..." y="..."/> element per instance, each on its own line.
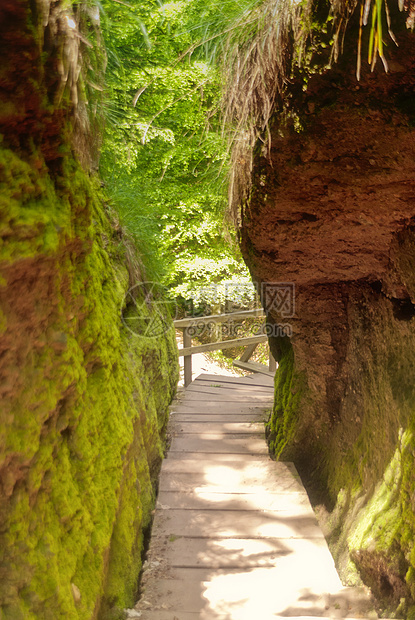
<point x="234" y="534"/>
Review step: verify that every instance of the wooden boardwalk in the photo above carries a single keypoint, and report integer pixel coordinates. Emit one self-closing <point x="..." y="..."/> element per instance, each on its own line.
<point x="234" y="534"/>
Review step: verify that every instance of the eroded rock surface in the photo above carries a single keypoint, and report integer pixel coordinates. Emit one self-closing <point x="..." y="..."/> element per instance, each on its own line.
<point x="333" y="211"/>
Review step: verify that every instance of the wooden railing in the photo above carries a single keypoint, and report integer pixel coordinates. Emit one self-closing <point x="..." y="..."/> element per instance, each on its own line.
<point x="191" y="324"/>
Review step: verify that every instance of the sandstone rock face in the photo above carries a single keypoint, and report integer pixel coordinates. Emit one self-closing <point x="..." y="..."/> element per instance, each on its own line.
<point x="333" y="211"/>
<point x="84" y="399"/>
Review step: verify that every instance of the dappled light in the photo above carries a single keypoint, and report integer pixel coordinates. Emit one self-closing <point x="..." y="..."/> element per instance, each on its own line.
<point x="230" y="179"/>
<point x="245" y="594"/>
<point x="234" y="535"/>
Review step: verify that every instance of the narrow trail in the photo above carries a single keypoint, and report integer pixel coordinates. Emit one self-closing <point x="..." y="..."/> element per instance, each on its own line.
<point x="203" y="363"/>
<point x="234" y="535"/>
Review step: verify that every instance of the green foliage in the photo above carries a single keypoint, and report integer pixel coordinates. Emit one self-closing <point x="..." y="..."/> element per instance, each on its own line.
<point x="163" y="160"/>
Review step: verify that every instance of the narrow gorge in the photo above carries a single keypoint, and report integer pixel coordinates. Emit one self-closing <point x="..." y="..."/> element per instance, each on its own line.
<point x="85" y="385"/>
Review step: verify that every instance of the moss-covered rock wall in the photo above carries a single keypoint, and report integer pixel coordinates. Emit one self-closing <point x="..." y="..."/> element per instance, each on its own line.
<point x="332" y="211"/>
<point x="83" y="398"/>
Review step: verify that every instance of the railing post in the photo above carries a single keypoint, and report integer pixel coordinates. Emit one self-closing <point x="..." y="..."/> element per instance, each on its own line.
<point x="187" y="362"/>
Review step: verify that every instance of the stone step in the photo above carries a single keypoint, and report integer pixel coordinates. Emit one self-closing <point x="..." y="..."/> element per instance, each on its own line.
<point x="293" y="558"/>
<point x="234" y="535"/>
<point x="259" y="380"/>
<point x="189" y="615"/>
<point x="237" y="483"/>
<point x="293" y="503"/>
<point x="225" y="396"/>
<point x="245" y="409"/>
<point x="230" y="388"/>
<point x="203" y="404"/>
<point x="224" y="594"/>
<point x="199" y="523"/>
<point x="223" y="428"/>
<point x="222" y="457"/>
<point x="218" y="442"/>
<point x="250" y="416"/>
<point x="248" y="469"/>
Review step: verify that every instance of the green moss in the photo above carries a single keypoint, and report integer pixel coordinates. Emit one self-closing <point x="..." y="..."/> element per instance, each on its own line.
<point x="372" y="528"/>
<point x="372" y="533"/>
<point x="289" y="388"/>
<point x="137" y="500"/>
<point x="30" y="214"/>
<point x="357" y="453"/>
<point x="380" y="518"/>
<point x="85" y="403"/>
